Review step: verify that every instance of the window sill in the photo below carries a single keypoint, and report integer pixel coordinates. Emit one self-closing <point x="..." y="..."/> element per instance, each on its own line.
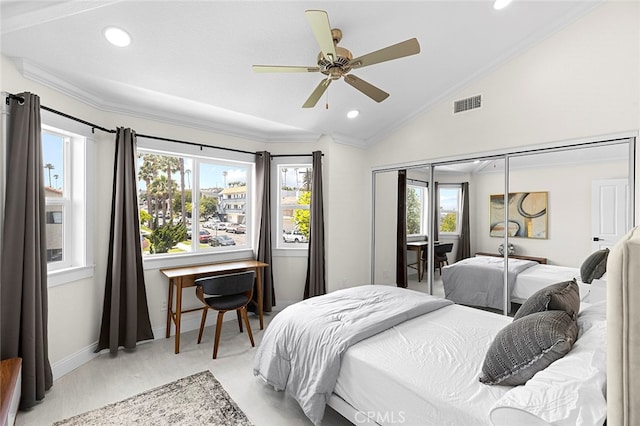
<point x="291" y="252"/>
<point x="176" y="261"/>
<point x="68" y="275"/>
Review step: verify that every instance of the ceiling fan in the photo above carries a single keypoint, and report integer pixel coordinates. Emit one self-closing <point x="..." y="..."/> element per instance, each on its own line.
<point x="336" y="62"/>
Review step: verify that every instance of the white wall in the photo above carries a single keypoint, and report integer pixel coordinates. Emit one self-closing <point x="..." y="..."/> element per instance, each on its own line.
<point x="581" y="83"/>
<point x="568" y="206"/>
<point x="75" y="308"/>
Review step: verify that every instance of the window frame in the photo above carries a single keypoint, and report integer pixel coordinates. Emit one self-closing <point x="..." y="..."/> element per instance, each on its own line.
<point x="423" y="188"/>
<point x="79" y="178"/>
<point x="206" y="154"/>
<point x="458" y="188"/>
<point x="279" y="246"/>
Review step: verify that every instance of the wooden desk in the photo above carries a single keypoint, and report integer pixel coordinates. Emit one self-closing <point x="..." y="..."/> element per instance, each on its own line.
<point x="542" y="260"/>
<point x="183" y="277"/>
<point x="418" y="246"/>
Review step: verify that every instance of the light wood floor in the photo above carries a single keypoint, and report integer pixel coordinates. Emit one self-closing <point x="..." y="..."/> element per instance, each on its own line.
<point x="107" y="379"/>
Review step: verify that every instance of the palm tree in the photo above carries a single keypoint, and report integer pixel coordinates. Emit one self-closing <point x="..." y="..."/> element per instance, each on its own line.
<point x="284" y="171"/>
<point x="147" y="173"/>
<point x="50" y="167"/>
<point x="306" y="179"/>
<point x="56" y="178"/>
<point x="159" y="191"/>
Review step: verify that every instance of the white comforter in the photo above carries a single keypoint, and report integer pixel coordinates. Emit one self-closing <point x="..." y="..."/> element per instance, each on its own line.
<point x="303" y="346"/>
<point x="479" y="281"/>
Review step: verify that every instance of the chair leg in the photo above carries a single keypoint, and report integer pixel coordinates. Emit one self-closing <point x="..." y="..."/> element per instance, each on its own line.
<point x="204" y="319"/>
<point x="246" y="321"/>
<point x="239" y="319"/>
<point x="218" y="330"/>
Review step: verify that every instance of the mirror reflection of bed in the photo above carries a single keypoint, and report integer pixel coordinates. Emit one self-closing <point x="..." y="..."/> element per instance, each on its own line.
<point x="432" y="363"/>
<point x="568" y="176"/>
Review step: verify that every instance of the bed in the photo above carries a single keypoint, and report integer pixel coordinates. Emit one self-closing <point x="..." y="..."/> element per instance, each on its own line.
<point x="479" y="281"/>
<point x="422" y="367"/>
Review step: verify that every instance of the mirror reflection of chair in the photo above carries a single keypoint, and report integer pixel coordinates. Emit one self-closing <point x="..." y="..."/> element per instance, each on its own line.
<point x="440" y="255"/>
<point x="225" y="293"/>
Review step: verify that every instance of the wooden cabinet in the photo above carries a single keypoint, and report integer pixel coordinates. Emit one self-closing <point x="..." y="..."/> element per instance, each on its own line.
<point x="10" y="386"/>
<point x="542" y="260"/>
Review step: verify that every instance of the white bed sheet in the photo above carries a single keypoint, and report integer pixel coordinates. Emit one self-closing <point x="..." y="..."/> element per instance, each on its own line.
<point x="539" y="276"/>
<point x="412" y="373"/>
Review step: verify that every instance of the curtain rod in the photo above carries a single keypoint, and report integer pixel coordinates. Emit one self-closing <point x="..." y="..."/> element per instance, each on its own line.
<point x="20" y="99"/>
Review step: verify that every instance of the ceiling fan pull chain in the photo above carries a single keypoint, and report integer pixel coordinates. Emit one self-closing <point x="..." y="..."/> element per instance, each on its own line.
<point x="326" y="105"/>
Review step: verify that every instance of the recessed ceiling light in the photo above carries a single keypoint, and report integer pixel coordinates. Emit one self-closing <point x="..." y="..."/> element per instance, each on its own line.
<point x="353" y="113"/>
<point x="117" y="36"/>
<point x="501" y="4"/>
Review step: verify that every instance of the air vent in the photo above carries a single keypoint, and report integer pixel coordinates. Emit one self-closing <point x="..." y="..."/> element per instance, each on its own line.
<point x="467" y="104"/>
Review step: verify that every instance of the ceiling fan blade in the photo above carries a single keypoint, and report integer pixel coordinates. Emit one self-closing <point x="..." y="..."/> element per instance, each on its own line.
<point x="317" y="93"/>
<point x="400" y="50"/>
<point x="367" y="88"/>
<point x="283" y="68"/>
<point x="319" y="21"/>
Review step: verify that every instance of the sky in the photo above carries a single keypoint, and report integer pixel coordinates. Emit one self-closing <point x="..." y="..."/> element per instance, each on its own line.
<point x="211" y="175"/>
<point x="52" y="151"/>
<point x="449" y="198"/>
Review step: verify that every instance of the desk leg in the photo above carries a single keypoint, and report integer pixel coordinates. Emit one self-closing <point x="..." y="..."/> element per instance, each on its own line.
<point x="419" y="254"/>
<point x="178" y="312"/>
<point x="169" y="308"/>
<point x="260" y="303"/>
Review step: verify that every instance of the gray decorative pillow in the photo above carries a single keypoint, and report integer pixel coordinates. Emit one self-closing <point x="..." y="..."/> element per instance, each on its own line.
<point x="564" y="296"/>
<point x="594" y="266"/>
<point x="528" y="345"/>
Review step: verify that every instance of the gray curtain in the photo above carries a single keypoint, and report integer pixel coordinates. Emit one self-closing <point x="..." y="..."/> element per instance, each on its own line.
<point x="23" y="293"/>
<point x="125" y="314"/>
<point x="401" y="227"/>
<point x="263" y="174"/>
<point x="315" y="283"/>
<point x="464" y="243"/>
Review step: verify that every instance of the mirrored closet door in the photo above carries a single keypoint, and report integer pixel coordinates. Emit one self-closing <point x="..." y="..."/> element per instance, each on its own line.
<point x="562" y="204"/>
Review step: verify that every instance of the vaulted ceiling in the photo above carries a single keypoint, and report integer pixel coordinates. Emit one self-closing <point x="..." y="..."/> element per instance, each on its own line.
<point x="190" y="61"/>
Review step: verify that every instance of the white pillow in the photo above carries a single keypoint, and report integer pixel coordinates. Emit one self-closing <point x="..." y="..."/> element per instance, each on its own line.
<point x="570" y="391"/>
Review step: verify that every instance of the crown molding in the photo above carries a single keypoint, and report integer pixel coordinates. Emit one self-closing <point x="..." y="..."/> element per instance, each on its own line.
<point x="35" y="73"/>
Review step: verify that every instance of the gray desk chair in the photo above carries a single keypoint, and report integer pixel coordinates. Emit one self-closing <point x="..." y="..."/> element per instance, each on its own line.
<point x="225" y="293"/>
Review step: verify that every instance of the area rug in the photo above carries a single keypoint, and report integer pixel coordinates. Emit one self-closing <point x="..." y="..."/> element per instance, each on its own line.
<point x="194" y="400"/>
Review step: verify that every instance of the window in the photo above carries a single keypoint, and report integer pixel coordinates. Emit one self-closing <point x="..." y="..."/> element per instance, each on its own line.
<point x="190" y="204"/>
<point x="294" y="198"/>
<point x="68" y="205"/>
<point x="416" y="209"/>
<point x="450" y="196"/>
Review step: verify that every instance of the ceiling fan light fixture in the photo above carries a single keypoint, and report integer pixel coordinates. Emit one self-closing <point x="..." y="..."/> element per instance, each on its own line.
<point x="117" y="36"/>
<point x="501" y="4"/>
<point x="353" y="113"/>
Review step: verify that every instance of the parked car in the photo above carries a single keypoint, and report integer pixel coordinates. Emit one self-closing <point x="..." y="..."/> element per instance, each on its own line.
<point x="205" y="236"/>
<point x="221" y="226"/>
<point x="294" y="237"/>
<point x="222" y="240"/>
<point x="235" y="228"/>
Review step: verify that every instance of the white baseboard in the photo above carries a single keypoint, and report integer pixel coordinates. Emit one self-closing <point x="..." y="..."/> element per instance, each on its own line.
<point x="73" y="361"/>
<point x="189" y="323"/>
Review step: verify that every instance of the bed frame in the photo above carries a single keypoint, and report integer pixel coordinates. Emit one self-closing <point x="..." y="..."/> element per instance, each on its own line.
<point x="623" y="331"/>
